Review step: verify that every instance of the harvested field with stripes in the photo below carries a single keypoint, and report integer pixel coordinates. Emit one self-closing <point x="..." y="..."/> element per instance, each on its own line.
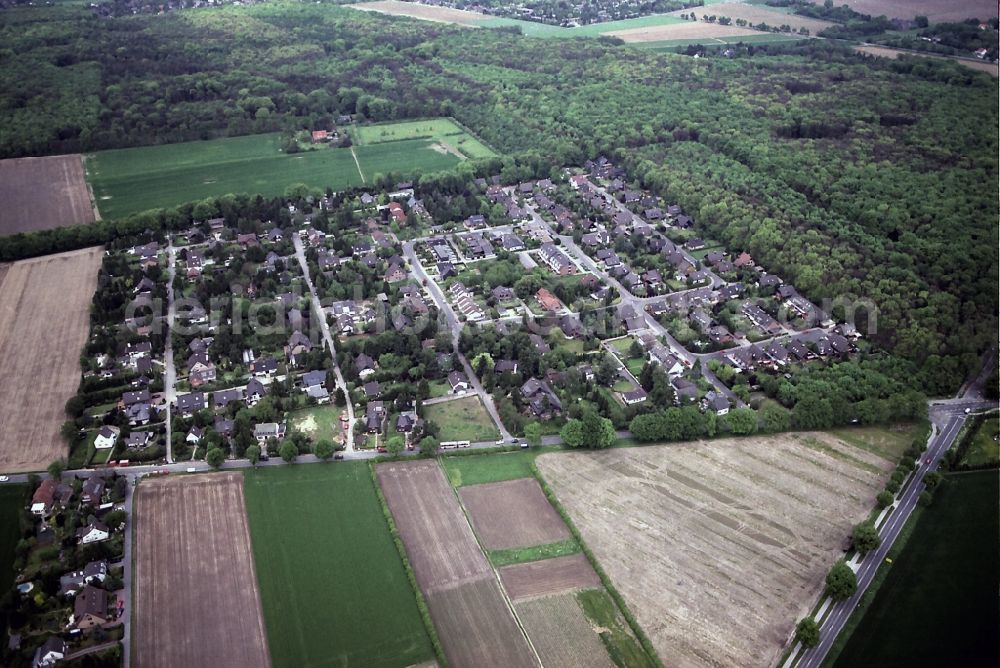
<point x="535" y="579"/>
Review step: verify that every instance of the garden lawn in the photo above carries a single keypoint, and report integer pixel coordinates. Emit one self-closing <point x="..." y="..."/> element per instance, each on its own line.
<point x="938" y="605"/>
<point x="462" y="420"/>
<point x="479" y="469"/>
<point x="332" y="584"/>
<point x="317" y="422"/>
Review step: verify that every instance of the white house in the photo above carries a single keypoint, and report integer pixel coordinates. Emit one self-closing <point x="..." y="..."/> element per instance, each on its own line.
<point x="51" y="652"/>
<point x="94" y="532"/>
<point x="106" y="437"/>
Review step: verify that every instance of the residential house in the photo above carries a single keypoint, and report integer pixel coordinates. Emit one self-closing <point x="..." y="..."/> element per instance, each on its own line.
<point x="632" y="397"/>
<point x="502" y="293"/>
<point x="268" y="430"/>
<point x="43" y="499"/>
<point x="395" y="274"/>
<point x="539" y="344"/>
<point x="106" y="437"/>
<point x="201" y="370"/>
<point x="571" y="326"/>
<point x="49" y="653"/>
<point x="505" y="366"/>
<point x="543" y="403"/>
<point x="224" y="427"/>
<point x="92" y="491"/>
<point x="547" y="300"/>
<point x="93" y="573"/>
<point x="372" y="389"/>
<point x="139" y="439"/>
<point x="716" y="402"/>
<point x="375" y="417"/>
<point x="556" y="260"/>
<point x="684" y="390"/>
<point x="194" y="436"/>
<point x="223" y="398"/>
<point x="189" y="404"/>
<point x="458" y="382"/>
<point x="668" y="362"/>
<point x="512" y="243"/>
<point x="95" y="532"/>
<point x="298" y="345"/>
<point x="90" y="608"/>
<point x="365" y="365"/>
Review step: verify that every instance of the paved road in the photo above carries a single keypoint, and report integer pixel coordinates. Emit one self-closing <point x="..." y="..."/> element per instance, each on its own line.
<point x="170" y="370"/>
<point x="455" y="326"/>
<point x="325" y="328"/>
<point x="947" y="418"/>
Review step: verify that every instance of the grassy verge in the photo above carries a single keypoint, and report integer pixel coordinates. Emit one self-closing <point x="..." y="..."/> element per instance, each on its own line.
<point x="520" y="555"/>
<point x="647" y="646"/>
<point x="621" y="646"/>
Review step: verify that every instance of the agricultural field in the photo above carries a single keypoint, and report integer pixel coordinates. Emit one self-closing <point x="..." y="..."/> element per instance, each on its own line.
<point x="478" y="469"/>
<point x="690" y="30"/>
<point x="892" y="54"/>
<point x="938" y="603"/>
<point x="548" y="577"/>
<point x="130" y="180"/>
<point x="332" y="584"/>
<point x="418" y="11"/>
<point x="561" y="633"/>
<point x="195" y="591"/>
<point x="44" y="318"/>
<point x="43" y="193"/>
<point x="512" y="514"/>
<point x="756" y="14"/>
<point x="462" y="420"/>
<point x="443" y="131"/>
<point x="936" y="11"/>
<point x="718" y="548"/>
<point x="469" y="610"/>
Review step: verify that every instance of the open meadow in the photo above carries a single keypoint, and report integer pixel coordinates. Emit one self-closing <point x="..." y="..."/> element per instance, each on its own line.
<point x="443" y="131"/>
<point x="195" y="590"/>
<point x="44" y="318"/>
<point x="938" y="603"/>
<point x="718" y="547"/>
<point x="462" y="419"/>
<point x="333" y="586"/>
<point x="470" y="611"/>
<point x="699" y="31"/>
<point x="130" y="180"/>
<point x="43" y="193"/>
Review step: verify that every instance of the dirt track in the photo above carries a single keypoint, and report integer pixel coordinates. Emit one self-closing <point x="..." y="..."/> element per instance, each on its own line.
<point x="43" y="193"/>
<point x="44" y="317"/>
<point x="514" y="513"/>
<point x="718" y="548"/>
<point x="196" y="597"/>
<point x="549" y="576"/>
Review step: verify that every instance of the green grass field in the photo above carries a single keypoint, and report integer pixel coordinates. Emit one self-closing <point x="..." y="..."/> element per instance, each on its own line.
<point x="332" y="584"/>
<point x="520" y="555"/>
<point x="985" y="448"/>
<point x="317" y="422"/>
<point x="938" y="603"/>
<point x="130" y="180"/>
<point x="479" y="469"/>
<point x="534" y="29"/>
<point x="462" y="420"/>
<point x="11" y="502"/>
<point x="437" y="129"/>
<point x="887" y="442"/>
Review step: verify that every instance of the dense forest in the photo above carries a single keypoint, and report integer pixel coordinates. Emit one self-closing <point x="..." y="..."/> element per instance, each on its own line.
<point x="851" y="177"/>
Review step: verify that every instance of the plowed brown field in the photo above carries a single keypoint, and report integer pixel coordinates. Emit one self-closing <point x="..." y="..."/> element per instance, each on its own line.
<point x="549" y="576"/>
<point x="44" y="307"/>
<point x="43" y="193"/>
<point x="196" y="597"/>
<point x="514" y="513"/>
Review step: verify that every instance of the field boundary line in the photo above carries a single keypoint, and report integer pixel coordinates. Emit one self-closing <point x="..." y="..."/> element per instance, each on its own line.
<point x="630" y="619"/>
<point x="493" y="569"/>
<point x="358" y="165"/>
<point x="425" y="613"/>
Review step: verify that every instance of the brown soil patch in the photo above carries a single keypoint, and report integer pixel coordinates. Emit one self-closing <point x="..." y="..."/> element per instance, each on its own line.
<point x="196" y="597"/>
<point x="43" y="193"/>
<point x="439" y="541"/>
<point x="691" y="30"/>
<point x="886" y="52"/>
<point x="477" y="628"/>
<point x="472" y="617"/>
<point x="936" y="11"/>
<point x="720" y="547"/>
<point x="425" y="12"/>
<point x="44" y="318"/>
<point x="514" y="513"/>
<point x="549" y="576"/>
<point x="562" y="634"/>
<point x="756" y="14"/>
